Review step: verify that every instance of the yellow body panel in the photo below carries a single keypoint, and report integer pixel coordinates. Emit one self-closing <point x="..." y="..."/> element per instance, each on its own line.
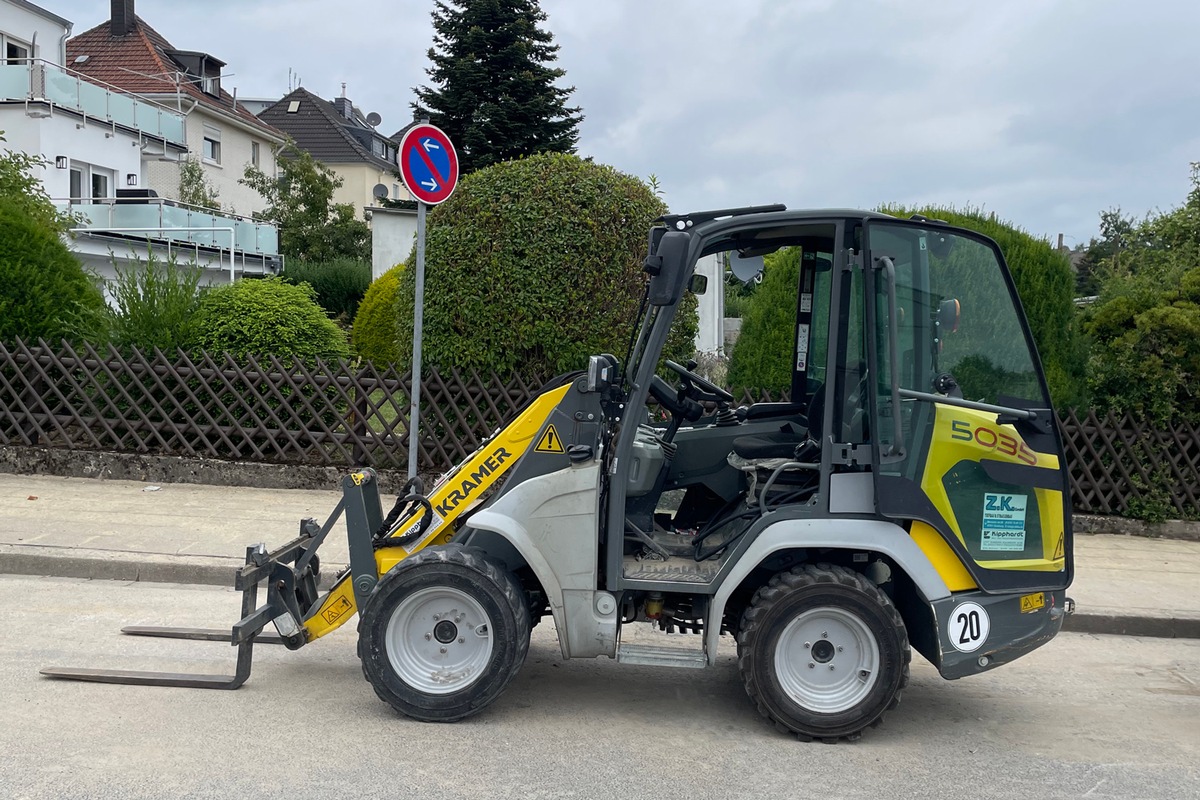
<point x="456" y="493"/>
<point x="944" y="559"/>
<point x="961" y="434"/>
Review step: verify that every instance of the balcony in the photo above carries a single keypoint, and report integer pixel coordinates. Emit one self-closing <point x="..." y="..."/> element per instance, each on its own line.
<point x="37" y="81"/>
<point x="186" y="227"/>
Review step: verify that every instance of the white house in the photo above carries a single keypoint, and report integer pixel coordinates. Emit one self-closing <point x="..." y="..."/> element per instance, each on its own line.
<point x="100" y="144"/>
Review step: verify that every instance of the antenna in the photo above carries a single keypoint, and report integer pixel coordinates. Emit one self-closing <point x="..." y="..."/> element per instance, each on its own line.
<point x="380" y="191"/>
<point x="373" y="119"/>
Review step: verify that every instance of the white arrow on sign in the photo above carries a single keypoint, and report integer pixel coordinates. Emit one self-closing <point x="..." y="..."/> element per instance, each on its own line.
<point x="430" y="144"/>
<point x="430" y="184"/>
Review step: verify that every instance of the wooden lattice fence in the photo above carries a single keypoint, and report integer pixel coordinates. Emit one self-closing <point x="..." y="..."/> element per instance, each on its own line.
<point x="347" y="414"/>
<point x="266" y="409"/>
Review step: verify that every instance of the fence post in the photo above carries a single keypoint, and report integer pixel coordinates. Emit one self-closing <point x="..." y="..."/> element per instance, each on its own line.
<point x="358" y="421"/>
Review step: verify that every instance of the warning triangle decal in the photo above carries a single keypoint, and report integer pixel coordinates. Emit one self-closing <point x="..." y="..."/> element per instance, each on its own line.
<point x="550" y="442"/>
<point x="1058" y="548"/>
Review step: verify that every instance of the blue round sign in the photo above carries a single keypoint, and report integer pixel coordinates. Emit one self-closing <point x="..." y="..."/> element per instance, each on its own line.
<point x="428" y="164"/>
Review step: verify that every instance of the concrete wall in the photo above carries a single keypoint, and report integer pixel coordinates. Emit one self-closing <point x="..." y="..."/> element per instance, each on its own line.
<point x="21" y="24"/>
<point x="711" y="306"/>
<point x="393" y="234"/>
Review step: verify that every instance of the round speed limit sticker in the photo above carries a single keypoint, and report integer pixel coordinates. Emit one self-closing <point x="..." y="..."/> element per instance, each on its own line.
<point x="969" y="626"/>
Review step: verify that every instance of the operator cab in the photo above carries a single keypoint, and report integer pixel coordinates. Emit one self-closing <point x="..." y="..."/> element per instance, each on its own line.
<point x="905" y="341"/>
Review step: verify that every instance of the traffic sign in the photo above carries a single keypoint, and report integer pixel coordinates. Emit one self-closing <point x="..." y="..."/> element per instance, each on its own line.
<point x="428" y="163"/>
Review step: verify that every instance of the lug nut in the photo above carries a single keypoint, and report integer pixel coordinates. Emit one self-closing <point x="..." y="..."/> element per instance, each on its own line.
<point x="824" y="634"/>
<point x="807" y="645"/>
<point x="811" y="665"/>
<point x="462" y="641"/>
<point x="428" y="636"/>
<point x="442" y="650"/>
<point x="831" y="667"/>
<point x="840" y="648"/>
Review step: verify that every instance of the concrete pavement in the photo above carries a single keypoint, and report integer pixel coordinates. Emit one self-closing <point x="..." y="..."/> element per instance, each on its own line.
<point x="189" y="533"/>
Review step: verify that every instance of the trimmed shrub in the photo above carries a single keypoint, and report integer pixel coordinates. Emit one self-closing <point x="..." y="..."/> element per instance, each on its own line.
<point x="534" y="264"/>
<point x="156" y="301"/>
<point x="761" y="357"/>
<point x="340" y="284"/>
<point x="375" y="333"/>
<point x="44" y="290"/>
<point x="267" y="317"/>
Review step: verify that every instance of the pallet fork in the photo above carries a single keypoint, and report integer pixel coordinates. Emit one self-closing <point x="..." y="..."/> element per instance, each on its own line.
<point x="292" y="574"/>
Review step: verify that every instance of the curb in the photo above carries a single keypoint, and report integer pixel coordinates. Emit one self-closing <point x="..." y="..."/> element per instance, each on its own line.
<point x="63" y="562"/>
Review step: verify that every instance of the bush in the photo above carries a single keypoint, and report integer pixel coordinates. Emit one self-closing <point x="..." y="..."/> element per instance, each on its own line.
<point x="375" y="333"/>
<point x="761" y="358"/>
<point x="156" y="301"/>
<point x="535" y="264"/>
<point x="267" y="317"/>
<point x="1046" y="287"/>
<point x="340" y="284"/>
<point x="44" y="291"/>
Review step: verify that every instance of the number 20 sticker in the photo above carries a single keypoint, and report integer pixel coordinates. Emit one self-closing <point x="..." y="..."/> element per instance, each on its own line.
<point x="969" y="626"/>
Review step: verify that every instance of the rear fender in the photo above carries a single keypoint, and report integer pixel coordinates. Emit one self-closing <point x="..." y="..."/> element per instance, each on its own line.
<point x="839" y="534"/>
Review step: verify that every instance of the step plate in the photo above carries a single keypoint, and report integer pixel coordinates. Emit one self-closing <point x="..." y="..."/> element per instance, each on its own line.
<point x="661" y="656"/>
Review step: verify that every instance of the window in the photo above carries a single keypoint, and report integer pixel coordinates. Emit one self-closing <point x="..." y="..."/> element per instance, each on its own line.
<point x="76" y="185"/>
<point x="254" y="153"/>
<point x="99" y="186"/>
<point x="212" y="144"/>
<point x="377" y="147"/>
<point x="14" y="51"/>
<point x="395" y="191"/>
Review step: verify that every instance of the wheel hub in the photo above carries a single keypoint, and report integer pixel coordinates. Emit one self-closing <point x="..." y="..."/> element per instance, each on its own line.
<point x="445" y="631"/>
<point x="827" y="660"/>
<point x="439" y="640"/>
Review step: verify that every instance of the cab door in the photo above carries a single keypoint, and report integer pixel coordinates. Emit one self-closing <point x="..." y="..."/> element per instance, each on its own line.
<point x="966" y="445"/>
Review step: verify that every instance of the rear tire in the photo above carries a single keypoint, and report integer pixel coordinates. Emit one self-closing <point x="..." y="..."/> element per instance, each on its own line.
<point x="823" y="653"/>
<point x="444" y="633"/>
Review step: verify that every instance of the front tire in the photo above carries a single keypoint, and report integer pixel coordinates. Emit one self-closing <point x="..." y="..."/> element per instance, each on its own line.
<point x="823" y="652"/>
<point x="444" y="633"/>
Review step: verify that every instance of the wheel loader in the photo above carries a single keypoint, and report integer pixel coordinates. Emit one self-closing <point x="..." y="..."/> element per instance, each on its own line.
<point x="910" y="494"/>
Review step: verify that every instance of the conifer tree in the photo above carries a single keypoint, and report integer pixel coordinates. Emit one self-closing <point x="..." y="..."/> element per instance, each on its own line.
<point x="493" y="91"/>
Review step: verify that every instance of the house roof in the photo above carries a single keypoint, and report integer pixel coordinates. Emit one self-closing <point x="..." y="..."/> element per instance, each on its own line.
<point x="139" y="63"/>
<point x="321" y="129"/>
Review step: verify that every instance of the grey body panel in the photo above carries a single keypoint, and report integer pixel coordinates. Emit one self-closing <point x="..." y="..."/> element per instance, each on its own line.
<point x="1012" y="633"/>
<point x="845" y="534"/>
<point x="852" y="493"/>
<point x="551" y="521"/>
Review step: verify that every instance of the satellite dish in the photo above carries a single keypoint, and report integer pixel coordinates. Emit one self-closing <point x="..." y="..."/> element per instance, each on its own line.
<point x="374" y="119"/>
<point x="380" y="191"/>
<point x="745" y="268"/>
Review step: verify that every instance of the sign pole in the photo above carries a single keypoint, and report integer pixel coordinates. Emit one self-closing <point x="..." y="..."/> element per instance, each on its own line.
<point x="414" y="413"/>
<point x="429" y="167"/>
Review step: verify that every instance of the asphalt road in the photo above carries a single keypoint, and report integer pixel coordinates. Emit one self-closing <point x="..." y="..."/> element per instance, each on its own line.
<point x="1085" y="716"/>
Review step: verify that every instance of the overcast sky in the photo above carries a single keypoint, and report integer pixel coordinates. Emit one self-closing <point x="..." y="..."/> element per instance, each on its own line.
<point x="1044" y="111"/>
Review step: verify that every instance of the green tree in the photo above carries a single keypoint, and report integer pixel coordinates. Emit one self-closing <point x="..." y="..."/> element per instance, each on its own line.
<point x="340" y="284"/>
<point x="44" y="291"/>
<point x="300" y="201"/>
<point x="494" y="94"/>
<point x="267" y="317"/>
<point x="19" y="183"/>
<point x="194" y="188"/>
<point x="535" y="264"/>
<point x="1144" y="329"/>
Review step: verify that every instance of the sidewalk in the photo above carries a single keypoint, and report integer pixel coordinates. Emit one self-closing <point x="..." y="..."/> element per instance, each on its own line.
<point x="188" y="533"/>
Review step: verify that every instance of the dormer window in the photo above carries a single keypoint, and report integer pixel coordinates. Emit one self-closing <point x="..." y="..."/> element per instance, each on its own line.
<point x="211" y="84"/>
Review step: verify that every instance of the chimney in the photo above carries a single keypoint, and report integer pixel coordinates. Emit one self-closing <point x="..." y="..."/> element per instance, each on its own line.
<point x="122" y="21"/>
<point x="343" y="106"/>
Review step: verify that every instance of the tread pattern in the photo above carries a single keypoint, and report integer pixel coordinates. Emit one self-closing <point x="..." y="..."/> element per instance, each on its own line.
<point x="780" y="586"/>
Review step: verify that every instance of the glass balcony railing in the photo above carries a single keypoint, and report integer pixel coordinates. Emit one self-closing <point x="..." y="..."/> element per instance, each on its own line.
<point x="37" y="80"/>
<point x="156" y="219"/>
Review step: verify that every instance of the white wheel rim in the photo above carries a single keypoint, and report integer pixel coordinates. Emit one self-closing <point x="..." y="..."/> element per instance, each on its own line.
<point x="439" y="640"/>
<point x="827" y="660"/>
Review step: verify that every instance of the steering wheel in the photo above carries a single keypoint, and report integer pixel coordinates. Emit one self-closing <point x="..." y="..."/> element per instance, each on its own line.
<point x="691" y="379"/>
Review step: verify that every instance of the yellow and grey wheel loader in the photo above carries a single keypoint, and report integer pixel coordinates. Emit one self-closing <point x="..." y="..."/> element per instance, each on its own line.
<point x="912" y="493"/>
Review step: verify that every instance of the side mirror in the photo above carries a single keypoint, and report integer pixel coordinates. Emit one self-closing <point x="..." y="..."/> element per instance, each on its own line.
<point x="698" y="284"/>
<point x="948" y="314"/>
<point x="744" y="268"/>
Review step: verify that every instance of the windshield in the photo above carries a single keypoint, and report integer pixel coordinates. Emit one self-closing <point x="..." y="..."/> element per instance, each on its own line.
<point x="958" y="329"/>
